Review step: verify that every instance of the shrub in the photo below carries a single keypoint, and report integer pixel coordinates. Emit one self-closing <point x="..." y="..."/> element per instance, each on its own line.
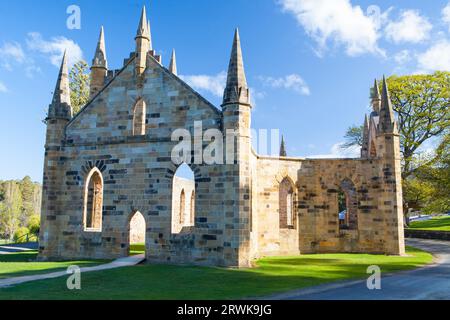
<point x="34" y="224"/>
<point x="20" y="235"/>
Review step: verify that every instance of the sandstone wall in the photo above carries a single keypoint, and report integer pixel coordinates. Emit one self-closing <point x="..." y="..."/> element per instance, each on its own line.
<point x="237" y="206"/>
<point x="138" y="176"/>
<point x="317" y="228"/>
<point x="271" y="239"/>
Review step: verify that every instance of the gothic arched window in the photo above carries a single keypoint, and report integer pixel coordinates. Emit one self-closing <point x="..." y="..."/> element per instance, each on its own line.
<point x="139" y="114"/>
<point x="286" y="204"/>
<point x="93" y="201"/>
<point x="347" y="206"/>
<point x="182" y="207"/>
<point x="192" y="211"/>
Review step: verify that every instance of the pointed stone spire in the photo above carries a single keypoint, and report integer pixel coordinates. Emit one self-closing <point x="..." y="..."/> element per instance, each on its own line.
<point x="60" y="106"/>
<point x="365" y="142"/>
<point x="173" y="63"/>
<point x="236" y="90"/>
<point x="376" y="91"/>
<point x="387" y="119"/>
<point x="376" y="97"/>
<point x="143" y="30"/>
<point x="283" y="148"/>
<point x="142" y="43"/>
<point x="99" y="67"/>
<point x="100" y="60"/>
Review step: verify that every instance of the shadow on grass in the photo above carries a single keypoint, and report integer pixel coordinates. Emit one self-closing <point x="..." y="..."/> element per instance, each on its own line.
<point x="157" y="282"/>
<point x="27" y="256"/>
<point x="24" y="263"/>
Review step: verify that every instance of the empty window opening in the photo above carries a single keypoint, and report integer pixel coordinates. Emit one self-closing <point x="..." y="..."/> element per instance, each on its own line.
<point x="182" y="207"/>
<point x="139" y="115"/>
<point x="93" y="202"/>
<point x="192" y="208"/>
<point x="347" y="206"/>
<point x="286" y="204"/>
<point x="183" y="199"/>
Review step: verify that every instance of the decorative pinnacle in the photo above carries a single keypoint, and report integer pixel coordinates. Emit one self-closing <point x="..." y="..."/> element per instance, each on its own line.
<point x="62" y="89"/>
<point x="283" y="148"/>
<point x="387" y="118"/>
<point x="100" y="60"/>
<point x="236" y="90"/>
<point x="60" y="106"/>
<point x="173" y="63"/>
<point x="143" y="30"/>
<point x="376" y="91"/>
<point x="365" y="142"/>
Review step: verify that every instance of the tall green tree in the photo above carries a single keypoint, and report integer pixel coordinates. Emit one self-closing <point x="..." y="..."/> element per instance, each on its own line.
<point x="435" y="177"/>
<point x="10" y="209"/>
<point x="27" y="189"/>
<point x="422" y="105"/>
<point x="79" y="85"/>
<point x="31" y="199"/>
<point x="20" y="206"/>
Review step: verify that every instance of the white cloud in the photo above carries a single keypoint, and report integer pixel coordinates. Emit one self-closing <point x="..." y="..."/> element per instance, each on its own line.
<point x="338" y="152"/>
<point x="13" y="56"/>
<point x="215" y="85"/>
<point x="12" y="51"/>
<point x="402" y="57"/>
<point x="337" y="21"/>
<point x="410" y="27"/>
<point x="3" y="88"/>
<point x="446" y="15"/>
<point x="55" y="48"/>
<point x="291" y="82"/>
<point x="31" y="69"/>
<point x="212" y="84"/>
<point x="435" y="58"/>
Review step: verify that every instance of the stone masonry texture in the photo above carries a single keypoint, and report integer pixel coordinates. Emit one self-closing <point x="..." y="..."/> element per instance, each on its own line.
<point x="232" y="211"/>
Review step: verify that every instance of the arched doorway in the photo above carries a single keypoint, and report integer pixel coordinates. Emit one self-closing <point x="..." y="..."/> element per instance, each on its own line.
<point x="137" y="234"/>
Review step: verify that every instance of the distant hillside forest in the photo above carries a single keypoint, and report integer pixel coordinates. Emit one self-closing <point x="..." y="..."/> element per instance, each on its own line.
<point x="20" y="206"/>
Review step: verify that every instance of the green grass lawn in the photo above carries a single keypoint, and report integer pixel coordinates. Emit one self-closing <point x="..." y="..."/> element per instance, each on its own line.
<point x="436" y="224"/>
<point x="272" y="275"/>
<point x="137" y="248"/>
<point x="24" y="263"/>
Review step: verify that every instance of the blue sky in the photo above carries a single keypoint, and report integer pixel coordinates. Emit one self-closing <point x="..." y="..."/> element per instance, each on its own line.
<point x="310" y="64"/>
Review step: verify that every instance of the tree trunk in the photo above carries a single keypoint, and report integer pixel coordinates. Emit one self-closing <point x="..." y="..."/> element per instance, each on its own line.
<point x="405" y="214"/>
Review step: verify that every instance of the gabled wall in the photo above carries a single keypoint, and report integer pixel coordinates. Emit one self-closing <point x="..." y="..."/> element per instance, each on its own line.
<point x="138" y="175"/>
